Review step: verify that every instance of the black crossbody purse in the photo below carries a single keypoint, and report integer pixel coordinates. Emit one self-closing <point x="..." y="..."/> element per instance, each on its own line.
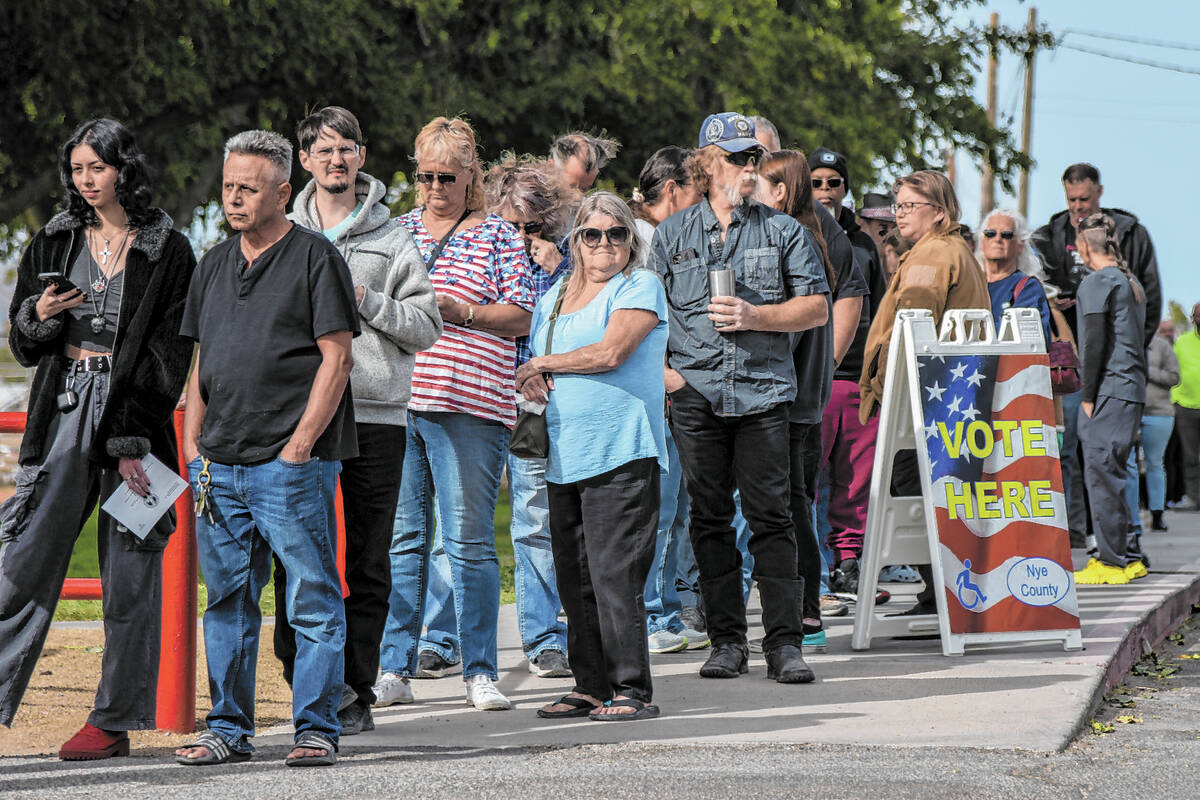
<point x="530" y="437"/>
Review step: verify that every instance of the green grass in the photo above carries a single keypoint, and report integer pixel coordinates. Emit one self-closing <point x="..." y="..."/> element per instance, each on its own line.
<point x="85" y="564"/>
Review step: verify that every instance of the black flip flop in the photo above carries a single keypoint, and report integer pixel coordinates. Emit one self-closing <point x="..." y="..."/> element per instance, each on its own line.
<point x="579" y="708"/>
<point x="641" y="711"/>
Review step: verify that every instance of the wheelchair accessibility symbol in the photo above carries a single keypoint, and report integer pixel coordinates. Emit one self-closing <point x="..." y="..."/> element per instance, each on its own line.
<point x="966" y="585"/>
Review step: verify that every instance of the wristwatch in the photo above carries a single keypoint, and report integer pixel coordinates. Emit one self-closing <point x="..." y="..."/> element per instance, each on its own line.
<point x="470" y="320"/>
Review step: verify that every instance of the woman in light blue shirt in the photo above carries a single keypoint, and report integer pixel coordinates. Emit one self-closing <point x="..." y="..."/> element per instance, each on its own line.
<point x="602" y="380"/>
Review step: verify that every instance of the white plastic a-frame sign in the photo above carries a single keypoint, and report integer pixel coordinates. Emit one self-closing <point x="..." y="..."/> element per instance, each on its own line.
<point x="978" y="410"/>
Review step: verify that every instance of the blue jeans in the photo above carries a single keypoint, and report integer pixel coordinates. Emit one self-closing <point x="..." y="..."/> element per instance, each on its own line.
<point x="533" y="573"/>
<point x="456" y="461"/>
<point x="661" y="597"/>
<point x="742" y="528"/>
<point x="1156" y="432"/>
<point x="440" y="622"/>
<point x="287" y="509"/>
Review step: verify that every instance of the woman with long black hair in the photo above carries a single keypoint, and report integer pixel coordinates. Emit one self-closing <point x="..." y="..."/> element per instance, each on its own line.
<point x="97" y="308"/>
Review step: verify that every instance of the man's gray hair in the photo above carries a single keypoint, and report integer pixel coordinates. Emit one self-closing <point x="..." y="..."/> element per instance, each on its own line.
<point x="593" y="151"/>
<point x="264" y="144"/>
<point x="764" y="125"/>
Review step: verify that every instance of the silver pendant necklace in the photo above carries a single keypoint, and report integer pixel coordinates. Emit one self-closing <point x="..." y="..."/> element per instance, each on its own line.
<point x="100" y="284"/>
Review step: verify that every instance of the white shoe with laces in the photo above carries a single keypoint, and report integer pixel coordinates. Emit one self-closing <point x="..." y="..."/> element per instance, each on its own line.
<point x="483" y="694"/>
<point x="391" y="689"/>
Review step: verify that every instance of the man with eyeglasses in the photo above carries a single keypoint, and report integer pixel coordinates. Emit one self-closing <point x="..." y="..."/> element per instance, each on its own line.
<point x="731" y="378"/>
<point x="398" y="313"/>
<point x="876" y="218"/>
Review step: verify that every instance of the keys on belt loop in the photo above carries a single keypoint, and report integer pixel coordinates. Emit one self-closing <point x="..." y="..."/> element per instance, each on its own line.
<point x="203" y="484"/>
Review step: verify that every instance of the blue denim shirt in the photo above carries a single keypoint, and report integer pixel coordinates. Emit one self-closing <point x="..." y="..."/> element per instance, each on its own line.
<point x="542" y="282"/>
<point x="774" y="258"/>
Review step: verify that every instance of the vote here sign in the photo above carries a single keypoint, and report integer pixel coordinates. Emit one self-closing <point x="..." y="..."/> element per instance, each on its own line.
<point x="997" y="492"/>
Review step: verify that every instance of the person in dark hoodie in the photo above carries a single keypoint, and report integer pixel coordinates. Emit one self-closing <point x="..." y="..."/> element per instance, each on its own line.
<point x="848" y="445"/>
<point x="1055" y="242"/>
<point x="110" y="366"/>
<point x="399" y="316"/>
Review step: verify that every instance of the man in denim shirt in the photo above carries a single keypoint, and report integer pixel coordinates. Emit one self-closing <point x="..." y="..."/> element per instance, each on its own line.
<point x="731" y="379"/>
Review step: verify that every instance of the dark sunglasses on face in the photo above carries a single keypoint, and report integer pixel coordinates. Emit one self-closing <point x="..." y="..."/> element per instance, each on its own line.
<point x="617" y="235"/>
<point x="444" y="178"/>
<point x="990" y="233"/>
<point x="743" y="158"/>
<point x="832" y="183"/>
<point x="531" y="228"/>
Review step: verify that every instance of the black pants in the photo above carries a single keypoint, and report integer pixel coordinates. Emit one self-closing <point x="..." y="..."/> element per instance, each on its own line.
<point x="370" y="487"/>
<point x="805" y="459"/>
<point x="751" y="453"/>
<point x="1187" y="427"/>
<point x="602" y="533"/>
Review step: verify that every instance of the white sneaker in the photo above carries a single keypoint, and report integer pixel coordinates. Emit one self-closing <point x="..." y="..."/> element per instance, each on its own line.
<point x="667" y="642"/>
<point x="392" y="690"/>
<point x="483" y="694"/>
<point x="696" y="640"/>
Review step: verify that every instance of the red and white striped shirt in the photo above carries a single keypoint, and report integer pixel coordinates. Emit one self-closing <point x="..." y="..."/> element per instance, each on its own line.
<point x="468" y="371"/>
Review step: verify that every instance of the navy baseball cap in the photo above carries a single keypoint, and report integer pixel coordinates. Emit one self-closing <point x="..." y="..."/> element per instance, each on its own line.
<point x="824" y="157"/>
<point x="728" y="130"/>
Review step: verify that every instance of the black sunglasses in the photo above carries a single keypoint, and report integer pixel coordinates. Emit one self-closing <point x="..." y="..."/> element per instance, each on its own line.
<point x="617" y="235"/>
<point x="444" y="178"/>
<point x="990" y="233"/>
<point x="832" y="183"/>
<point x="743" y="158"/>
<point x="532" y="228"/>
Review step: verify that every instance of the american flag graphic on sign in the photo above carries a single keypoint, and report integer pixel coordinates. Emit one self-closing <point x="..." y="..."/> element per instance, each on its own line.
<point x="997" y="492"/>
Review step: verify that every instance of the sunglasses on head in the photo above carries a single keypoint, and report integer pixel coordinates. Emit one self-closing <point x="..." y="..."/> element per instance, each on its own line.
<point x="444" y="178"/>
<point x="532" y="228"/>
<point x="617" y="235"/>
<point x="744" y="157"/>
<point x="832" y="183"/>
<point x="990" y="233"/>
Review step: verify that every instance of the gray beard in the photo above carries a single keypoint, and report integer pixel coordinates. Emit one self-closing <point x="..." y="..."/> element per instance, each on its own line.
<point x="734" y="195"/>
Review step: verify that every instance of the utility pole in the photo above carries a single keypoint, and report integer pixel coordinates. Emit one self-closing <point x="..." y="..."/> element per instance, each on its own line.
<point x="1027" y="115"/>
<point x="952" y="167"/>
<point x="986" y="200"/>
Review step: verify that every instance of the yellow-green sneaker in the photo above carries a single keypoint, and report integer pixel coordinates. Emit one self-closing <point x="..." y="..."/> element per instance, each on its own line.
<point x="1097" y="572"/>
<point x="1136" y="570"/>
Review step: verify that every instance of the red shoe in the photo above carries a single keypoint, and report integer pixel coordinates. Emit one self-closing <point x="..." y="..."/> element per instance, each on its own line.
<point x="92" y="744"/>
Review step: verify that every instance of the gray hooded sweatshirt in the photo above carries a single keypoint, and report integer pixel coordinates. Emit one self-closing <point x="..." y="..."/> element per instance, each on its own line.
<point x="399" y="310"/>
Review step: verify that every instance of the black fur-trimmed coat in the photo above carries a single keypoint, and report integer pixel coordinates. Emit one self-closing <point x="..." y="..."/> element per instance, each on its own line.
<point x="150" y="361"/>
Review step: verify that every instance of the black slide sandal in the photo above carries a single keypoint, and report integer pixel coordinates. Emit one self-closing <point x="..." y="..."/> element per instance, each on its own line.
<point x="641" y="711"/>
<point x="579" y="708"/>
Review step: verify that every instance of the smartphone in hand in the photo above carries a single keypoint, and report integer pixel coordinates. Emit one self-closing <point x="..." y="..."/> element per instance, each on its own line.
<point x="58" y="280"/>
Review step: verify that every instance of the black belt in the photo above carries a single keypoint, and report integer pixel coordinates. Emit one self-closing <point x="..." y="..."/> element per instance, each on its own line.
<point x="90" y="364"/>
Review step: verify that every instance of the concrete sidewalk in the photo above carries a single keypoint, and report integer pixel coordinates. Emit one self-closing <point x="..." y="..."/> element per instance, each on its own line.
<point x="1032" y="697"/>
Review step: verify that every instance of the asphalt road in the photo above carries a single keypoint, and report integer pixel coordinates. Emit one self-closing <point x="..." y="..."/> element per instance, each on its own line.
<point x="1153" y="753"/>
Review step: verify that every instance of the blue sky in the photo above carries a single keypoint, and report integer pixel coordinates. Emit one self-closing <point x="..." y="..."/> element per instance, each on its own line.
<point x="1139" y="125"/>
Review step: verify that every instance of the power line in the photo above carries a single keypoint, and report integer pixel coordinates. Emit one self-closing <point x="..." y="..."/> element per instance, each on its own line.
<point x="1116" y="37"/>
<point x="1133" y="60"/>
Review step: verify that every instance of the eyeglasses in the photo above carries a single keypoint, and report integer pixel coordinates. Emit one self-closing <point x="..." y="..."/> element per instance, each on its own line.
<point x="909" y="207"/>
<point x="617" y="235"/>
<point x="325" y="154"/>
<point x="532" y="228"/>
<point x="989" y="233"/>
<point x="832" y="183"/>
<point x="444" y="178"/>
<point x="744" y="157"/>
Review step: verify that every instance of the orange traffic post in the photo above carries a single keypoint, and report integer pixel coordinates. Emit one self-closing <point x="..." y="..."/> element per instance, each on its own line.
<point x="177" y="656"/>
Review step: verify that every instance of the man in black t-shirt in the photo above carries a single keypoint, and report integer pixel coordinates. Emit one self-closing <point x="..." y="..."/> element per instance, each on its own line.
<point x="269" y="417"/>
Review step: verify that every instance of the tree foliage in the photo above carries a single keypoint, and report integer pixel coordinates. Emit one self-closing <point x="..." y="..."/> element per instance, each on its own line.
<point x="887" y="82"/>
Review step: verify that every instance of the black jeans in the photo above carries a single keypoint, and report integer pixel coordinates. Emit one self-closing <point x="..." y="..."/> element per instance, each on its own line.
<point x="1187" y="428"/>
<point x="805" y="441"/>
<point x="751" y="453"/>
<point x="602" y="533"/>
<point x="370" y="487"/>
